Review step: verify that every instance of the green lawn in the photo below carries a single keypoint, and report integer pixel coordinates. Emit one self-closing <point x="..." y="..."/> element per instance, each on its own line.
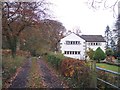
<point x="108" y="67"/>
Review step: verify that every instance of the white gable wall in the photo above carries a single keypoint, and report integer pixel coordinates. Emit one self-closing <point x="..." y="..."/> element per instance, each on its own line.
<point x="74" y="47"/>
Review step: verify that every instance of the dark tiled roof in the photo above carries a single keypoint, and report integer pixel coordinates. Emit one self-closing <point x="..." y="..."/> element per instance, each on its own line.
<point x="93" y="38"/>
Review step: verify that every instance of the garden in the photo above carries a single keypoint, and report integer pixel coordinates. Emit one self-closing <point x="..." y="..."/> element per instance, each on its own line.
<point x="75" y="72"/>
<point x="81" y="74"/>
<point x="107" y="67"/>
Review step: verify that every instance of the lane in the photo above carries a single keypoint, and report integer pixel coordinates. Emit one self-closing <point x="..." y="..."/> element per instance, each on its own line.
<point x="49" y="77"/>
<point x="22" y="78"/>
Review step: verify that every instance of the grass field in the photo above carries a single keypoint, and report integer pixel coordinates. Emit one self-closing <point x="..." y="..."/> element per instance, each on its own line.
<point x="108" y="67"/>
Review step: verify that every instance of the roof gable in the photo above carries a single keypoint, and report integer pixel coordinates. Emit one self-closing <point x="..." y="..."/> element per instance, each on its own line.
<point x="72" y="36"/>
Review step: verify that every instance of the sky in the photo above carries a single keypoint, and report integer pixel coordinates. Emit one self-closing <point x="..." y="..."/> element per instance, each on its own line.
<point x="76" y="14"/>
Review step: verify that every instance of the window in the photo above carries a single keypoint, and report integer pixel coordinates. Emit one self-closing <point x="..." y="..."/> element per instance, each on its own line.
<point x="65" y="52"/>
<point x="78" y="52"/>
<point x="78" y="42"/>
<point x="67" y="42"/>
<point x="75" y="52"/>
<point x="94" y="43"/>
<point x="72" y="52"/>
<point x="72" y="42"/>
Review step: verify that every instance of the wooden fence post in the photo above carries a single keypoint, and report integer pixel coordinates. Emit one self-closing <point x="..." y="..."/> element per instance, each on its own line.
<point x="94" y="75"/>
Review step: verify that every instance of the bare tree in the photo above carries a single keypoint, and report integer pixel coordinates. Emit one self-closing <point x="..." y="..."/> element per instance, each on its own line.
<point x="106" y="4"/>
<point x="16" y="16"/>
<point x="43" y="39"/>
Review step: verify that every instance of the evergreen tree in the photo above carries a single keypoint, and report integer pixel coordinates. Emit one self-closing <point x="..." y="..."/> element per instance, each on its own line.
<point x="118" y="34"/>
<point x="99" y="54"/>
<point x="107" y="36"/>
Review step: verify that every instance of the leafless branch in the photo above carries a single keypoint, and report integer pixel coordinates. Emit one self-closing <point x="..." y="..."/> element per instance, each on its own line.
<point x="96" y="4"/>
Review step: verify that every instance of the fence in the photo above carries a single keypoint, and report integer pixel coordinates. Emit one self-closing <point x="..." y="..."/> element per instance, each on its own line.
<point x="107" y="78"/>
<point x="103" y="78"/>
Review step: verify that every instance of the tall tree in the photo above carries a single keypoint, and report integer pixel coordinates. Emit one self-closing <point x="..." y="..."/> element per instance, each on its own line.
<point x="43" y="39"/>
<point x="16" y="16"/>
<point x="118" y="31"/>
<point x="53" y="31"/>
<point x="107" y="36"/>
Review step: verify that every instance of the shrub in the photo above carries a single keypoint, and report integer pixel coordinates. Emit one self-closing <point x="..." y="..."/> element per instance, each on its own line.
<point x="109" y="52"/>
<point x="99" y="54"/>
<point x="55" y="59"/>
<point x="90" y="53"/>
<point x="77" y="70"/>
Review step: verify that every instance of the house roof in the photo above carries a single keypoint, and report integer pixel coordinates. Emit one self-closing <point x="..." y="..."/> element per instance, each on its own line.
<point x="90" y="38"/>
<point x="93" y="38"/>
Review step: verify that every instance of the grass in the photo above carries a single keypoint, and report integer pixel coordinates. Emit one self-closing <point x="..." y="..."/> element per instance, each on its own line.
<point x="10" y="65"/>
<point x="34" y="80"/>
<point x="108" y="67"/>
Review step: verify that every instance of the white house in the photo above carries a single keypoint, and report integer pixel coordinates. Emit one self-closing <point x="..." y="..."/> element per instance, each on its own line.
<point x="75" y="46"/>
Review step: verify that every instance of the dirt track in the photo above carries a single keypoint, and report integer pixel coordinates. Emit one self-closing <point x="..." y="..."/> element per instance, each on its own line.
<point x="48" y="76"/>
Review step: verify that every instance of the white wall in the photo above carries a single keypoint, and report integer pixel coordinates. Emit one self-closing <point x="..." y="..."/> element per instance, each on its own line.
<point x="94" y="47"/>
<point x="81" y="47"/>
<point x="65" y="47"/>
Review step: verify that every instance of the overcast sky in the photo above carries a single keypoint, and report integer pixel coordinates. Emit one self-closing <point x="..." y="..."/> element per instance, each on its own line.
<point x="75" y="13"/>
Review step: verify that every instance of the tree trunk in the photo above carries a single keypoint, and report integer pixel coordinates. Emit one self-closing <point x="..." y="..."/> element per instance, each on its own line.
<point x="12" y="41"/>
<point x="14" y="46"/>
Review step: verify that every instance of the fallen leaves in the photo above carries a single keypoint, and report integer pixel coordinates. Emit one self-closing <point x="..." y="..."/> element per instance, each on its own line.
<point x="34" y="80"/>
<point x="10" y="68"/>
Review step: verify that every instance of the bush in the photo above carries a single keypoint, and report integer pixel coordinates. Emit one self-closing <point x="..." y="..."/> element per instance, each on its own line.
<point x="109" y="52"/>
<point x="76" y="70"/>
<point x="55" y="59"/>
<point x="90" y="53"/>
<point x="99" y="54"/>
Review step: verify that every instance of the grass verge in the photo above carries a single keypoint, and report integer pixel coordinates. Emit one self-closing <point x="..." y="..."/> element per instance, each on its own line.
<point x="34" y="79"/>
<point x="107" y="66"/>
<point x="10" y="66"/>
